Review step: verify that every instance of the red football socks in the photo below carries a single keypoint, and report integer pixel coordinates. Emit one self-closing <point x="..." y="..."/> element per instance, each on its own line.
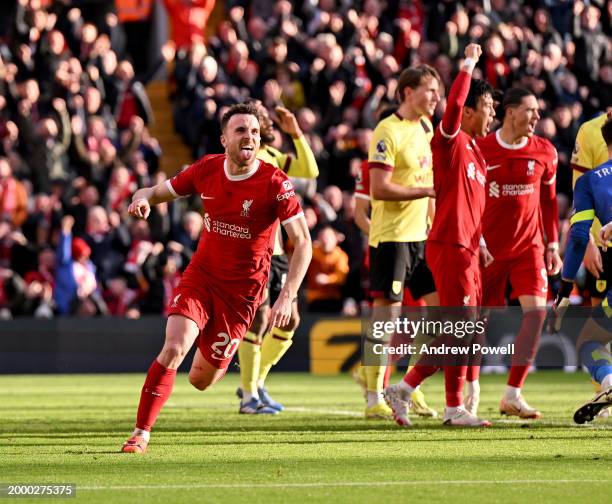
<point x="155" y="392"/>
<point x="473" y="373"/>
<point x="418" y="373"/>
<point x="526" y="345"/>
<point x="388" y="372"/>
<point x="454" y="380"/>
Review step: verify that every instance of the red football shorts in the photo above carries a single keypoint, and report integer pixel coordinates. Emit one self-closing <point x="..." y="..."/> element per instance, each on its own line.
<point x="526" y="275"/>
<point x="456" y="273"/>
<point x="223" y="320"/>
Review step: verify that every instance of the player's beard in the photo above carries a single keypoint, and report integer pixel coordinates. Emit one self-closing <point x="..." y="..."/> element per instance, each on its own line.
<point x="267" y="137"/>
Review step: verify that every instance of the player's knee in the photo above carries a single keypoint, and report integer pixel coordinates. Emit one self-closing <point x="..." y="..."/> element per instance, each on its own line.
<point x="260" y="321"/>
<point x="173" y="352"/>
<point x="199" y="382"/>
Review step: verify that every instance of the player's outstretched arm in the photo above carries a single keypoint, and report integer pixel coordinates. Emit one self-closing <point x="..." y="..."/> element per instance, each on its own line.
<point x="451" y="121"/>
<point x="304" y="165"/>
<point x="300" y="260"/>
<point x="146" y="197"/>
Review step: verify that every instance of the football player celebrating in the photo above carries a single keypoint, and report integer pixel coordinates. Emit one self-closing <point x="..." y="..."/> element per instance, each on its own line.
<point x="592" y="199"/>
<point x="258" y="353"/>
<point x="520" y="228"/>
<point x="454" y="244"/>
<point x="216" y="299"/>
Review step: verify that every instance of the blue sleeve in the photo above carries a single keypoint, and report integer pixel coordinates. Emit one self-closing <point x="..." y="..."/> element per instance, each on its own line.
<point x="64" y="249"/>
<point x="581" y="220"/>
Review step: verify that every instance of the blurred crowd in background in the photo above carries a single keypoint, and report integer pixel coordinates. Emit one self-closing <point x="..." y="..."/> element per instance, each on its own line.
<point x="75" y="118"/>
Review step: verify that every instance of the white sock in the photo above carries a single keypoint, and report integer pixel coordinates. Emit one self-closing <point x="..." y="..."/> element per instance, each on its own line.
<point x="473" y="388"/>
<point x="374" y="398"/>
<point x="144" y="434"/>
<point x="606" y="382"/>
<point x="449" y="411"/>
<point x="405" y="389"/>
<point x="260" y="384"/>
<point x="512" y="392"/>
<point x="247" y="396"/>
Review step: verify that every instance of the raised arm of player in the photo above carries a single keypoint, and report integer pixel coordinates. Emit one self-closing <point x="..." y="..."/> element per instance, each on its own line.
<point x="298" y="233"/>
<point x="451" y="121"/>
<point x="146" y="197"/>
<point x="550" y="215"/>
<point x="304" y="165"/>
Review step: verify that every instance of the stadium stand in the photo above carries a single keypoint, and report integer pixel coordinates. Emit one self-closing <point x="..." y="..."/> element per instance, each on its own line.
<point x="79" y="132"/>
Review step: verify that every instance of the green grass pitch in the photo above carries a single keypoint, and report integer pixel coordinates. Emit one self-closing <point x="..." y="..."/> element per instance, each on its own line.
<point x="69" y="428"/>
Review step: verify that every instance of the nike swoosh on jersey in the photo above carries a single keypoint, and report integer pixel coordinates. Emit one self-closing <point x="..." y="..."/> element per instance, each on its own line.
<point x="206" y="197"/>
<point x="493" y="167"/>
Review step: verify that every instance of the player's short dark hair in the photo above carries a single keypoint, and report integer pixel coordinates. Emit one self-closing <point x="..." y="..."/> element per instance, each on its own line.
<point x="413" y="77"/>
<point x="478" y="89"/>
<point x="606" y="131"/>
<point x="513" y="97"/>
<point x="239" y="108"/>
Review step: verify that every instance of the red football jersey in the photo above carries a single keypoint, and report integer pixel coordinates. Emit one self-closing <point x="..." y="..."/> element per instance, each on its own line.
<point x="362" y="181"/>
<point x="459" y="175"/>
<point x="459" y="182"/>
<point x="521" y="195"/>
<point x="241" y="214"/>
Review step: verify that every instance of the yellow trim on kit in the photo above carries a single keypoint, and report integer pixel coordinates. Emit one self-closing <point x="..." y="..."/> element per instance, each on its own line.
<point x="582" y="216"/>
<point x="607" y="308"/>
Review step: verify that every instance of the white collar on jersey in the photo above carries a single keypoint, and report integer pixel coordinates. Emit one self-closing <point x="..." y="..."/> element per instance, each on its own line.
<point x="242" y="176"/>
<point x="505" y="145"/>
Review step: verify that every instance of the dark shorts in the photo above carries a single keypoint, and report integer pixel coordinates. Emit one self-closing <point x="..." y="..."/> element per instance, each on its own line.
<point x="598" y="288"/>
<point x="279" y="267"/>
<point x="603" y="313"/>
<point x="395" y="265"/>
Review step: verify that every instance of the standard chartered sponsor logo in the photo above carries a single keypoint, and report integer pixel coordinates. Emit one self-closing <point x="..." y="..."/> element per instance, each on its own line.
<point x="494" y="189"/>
<point x="517" y="189"/>
<point x="509" y="189"/>
<point x="226" y="229"/>
<point x="231" y="230"/>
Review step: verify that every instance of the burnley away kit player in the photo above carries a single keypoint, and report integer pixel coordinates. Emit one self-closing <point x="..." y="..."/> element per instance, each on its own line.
<point x="401" y="184"/>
